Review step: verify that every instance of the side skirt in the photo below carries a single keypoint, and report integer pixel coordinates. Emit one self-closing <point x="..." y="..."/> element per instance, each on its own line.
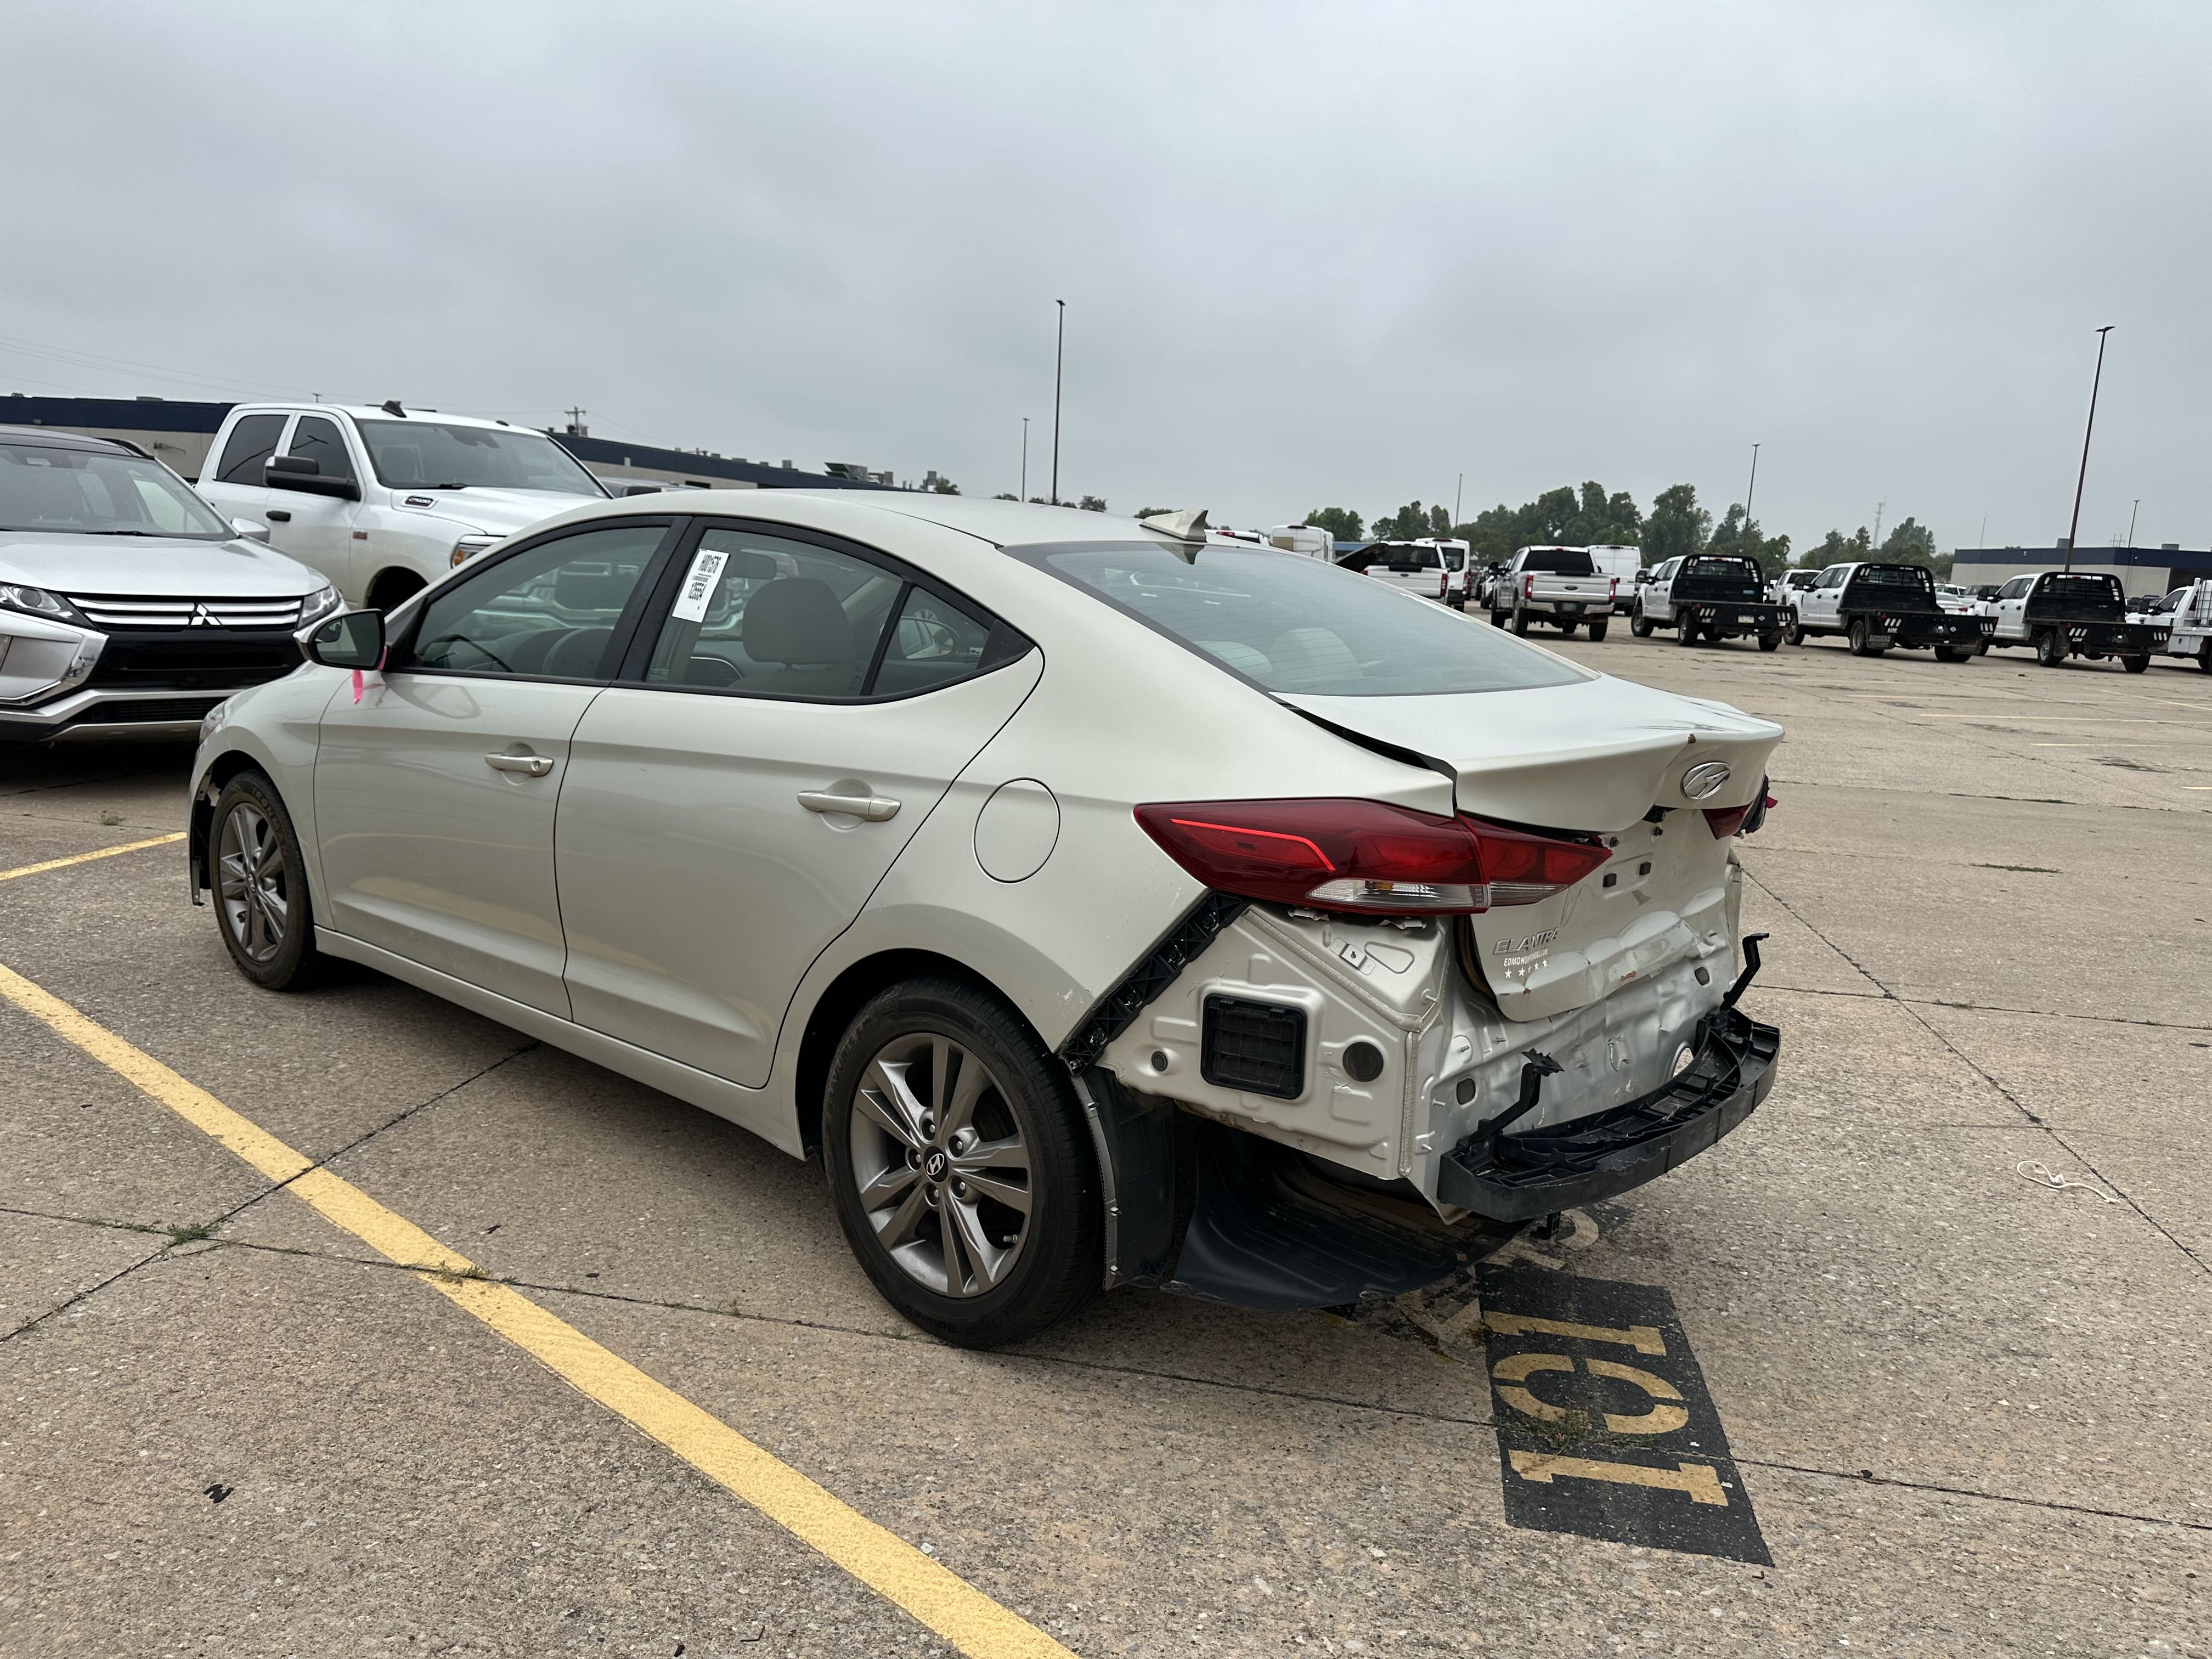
<point x="752" y="1110"/>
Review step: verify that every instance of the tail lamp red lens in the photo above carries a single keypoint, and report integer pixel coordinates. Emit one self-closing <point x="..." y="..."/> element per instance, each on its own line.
<point x="1365" y="855"/>
<point x="1725" y="821"/>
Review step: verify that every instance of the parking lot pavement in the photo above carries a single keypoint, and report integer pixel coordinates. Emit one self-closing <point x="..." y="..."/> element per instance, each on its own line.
<point x="1968" y="1409"/>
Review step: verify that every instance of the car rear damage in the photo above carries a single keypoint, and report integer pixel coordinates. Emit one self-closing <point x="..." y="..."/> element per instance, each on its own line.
<point x="1517" y="1048"/>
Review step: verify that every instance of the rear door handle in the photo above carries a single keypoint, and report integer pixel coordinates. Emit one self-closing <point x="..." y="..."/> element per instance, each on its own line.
<point x="535" y="766"/>
<point x="874" y="808"/>
<point x="279" y="514"/>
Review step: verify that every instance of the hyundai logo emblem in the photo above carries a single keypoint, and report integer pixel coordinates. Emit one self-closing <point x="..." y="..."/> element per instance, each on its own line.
<point x="1704" y="779"/>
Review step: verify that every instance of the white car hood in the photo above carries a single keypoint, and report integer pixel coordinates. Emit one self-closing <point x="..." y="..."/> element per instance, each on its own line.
<point x="488" y="511"/>
<point x="150" y="567"/>
<point x="1594" y="755"/>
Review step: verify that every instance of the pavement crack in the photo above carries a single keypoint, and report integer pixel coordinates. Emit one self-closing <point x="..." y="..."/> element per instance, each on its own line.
<point x="1912" y="1011"/>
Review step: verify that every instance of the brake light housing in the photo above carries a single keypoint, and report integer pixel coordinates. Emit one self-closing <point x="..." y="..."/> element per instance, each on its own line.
<point x="1365" y="857"/>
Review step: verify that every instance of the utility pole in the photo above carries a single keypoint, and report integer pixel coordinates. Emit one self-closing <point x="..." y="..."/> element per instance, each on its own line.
<point x="1059" y="358"/>
<point x="1458" y="492"/>
<point x="2132" y="510"/>
<point x="1025" y="457"/>
<point x="576" y="422"/>
<point x="1984" y="540"/>
<point x="1748" y="491"/>
<point x="2074" y="528"/>
<point x="1878" y="506"/>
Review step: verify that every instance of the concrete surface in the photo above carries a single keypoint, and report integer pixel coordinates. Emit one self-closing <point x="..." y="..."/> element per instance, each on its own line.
<point x="1973" y="1411"/>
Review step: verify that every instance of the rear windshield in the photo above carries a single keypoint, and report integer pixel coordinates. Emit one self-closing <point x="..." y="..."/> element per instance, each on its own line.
<point x="1395" y="556"/>
<point x="1560" y="561"/>
<point x="2084" y="589"/>
<point x="1298" y="625"/>
<point x="1893" y="575"/>
<point x="1733" y="569"/>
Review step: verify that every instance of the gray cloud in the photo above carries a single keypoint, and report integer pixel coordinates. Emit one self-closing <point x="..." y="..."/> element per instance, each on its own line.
<point x="1311" y="254"/>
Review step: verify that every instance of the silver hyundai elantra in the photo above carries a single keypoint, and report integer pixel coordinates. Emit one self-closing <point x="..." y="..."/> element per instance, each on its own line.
<point x="1107" y="902"/>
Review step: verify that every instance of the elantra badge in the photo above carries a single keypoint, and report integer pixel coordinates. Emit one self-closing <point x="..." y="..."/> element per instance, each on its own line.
<point x="1704" y="779"/>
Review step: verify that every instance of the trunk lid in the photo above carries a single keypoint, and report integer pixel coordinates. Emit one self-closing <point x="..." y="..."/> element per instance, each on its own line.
<point x="1594" y="757"/>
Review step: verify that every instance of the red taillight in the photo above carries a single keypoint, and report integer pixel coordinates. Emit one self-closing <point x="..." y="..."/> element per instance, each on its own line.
<point x="1612" y="587"/>
<point x="1364" y="855"/>
<point x="1529" y="587"/>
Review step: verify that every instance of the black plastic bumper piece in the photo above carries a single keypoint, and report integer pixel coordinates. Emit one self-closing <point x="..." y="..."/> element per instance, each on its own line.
<point x="1520" y="1177"/>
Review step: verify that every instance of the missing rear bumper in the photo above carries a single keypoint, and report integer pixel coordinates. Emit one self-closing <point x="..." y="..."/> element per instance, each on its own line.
<point x="1519" y="1177"/>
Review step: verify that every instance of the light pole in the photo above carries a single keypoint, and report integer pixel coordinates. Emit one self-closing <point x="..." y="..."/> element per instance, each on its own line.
<point x="1025" y="457"/>
<point x="1748" y="491"/>
<point x="1458" y="491"/>
<point x="1878" y="508"/>
<point x="2132" y="510"/>
<point x="2074" y="528"/>
<point x="1058" y="356"/>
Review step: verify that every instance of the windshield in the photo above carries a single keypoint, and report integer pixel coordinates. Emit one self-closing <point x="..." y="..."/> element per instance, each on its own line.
<point x="1558" y="561"/>
<point x="98" y="492"/>
<point x="433" y="455"/>
<point x="1298" y="625"/>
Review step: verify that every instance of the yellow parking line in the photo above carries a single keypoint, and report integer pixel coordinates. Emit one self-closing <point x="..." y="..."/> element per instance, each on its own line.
<point x="86" y="858"/>
<point x="959" y="1613"/>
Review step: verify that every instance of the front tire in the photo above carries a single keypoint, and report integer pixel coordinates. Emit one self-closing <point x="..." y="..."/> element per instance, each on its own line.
<point x="1794" y="630"/>
<point x="959" y="1164"/>
<point x="1638" y="623"/>
<point x="261" y="904"/>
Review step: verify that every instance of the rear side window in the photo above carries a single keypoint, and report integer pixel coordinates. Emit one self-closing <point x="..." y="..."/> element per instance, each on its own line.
<point x="1560" y="561"/>
<point x="253" y="441"/>
<point x="1298" y="625"/>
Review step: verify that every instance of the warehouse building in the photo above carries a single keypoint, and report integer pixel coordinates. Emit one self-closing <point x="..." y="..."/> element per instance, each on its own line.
<point x="2142" y="570"/>
<point x="179" y="432"/>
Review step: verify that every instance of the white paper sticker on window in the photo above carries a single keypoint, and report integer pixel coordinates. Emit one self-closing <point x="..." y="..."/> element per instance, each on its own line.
<point x="699" y="585"/>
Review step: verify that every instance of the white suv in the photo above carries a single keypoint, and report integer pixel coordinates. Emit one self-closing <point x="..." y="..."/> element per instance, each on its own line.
<point x="385" y="501"/>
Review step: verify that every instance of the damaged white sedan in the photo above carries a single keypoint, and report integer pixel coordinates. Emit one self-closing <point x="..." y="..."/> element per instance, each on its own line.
<point x="1107" y="904"/>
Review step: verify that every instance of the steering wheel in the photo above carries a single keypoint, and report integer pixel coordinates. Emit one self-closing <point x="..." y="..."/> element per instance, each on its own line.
<point x="428" y="646"/>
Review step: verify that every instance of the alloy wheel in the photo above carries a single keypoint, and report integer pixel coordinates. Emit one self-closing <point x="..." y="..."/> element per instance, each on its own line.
<point x="940" y="1164"/>
<point x="249" y="882"/>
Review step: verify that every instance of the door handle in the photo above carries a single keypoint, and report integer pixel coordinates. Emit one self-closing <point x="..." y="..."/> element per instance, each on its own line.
<point x="874" y="808"/>
<point x="278" y="514"/>
<point x="535" y="766"/>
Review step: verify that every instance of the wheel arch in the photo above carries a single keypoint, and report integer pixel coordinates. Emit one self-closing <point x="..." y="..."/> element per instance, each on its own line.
<point x="393" y="585"/>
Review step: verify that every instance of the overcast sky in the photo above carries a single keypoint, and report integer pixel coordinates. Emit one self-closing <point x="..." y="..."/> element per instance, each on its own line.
<point x="1312" y="255"/>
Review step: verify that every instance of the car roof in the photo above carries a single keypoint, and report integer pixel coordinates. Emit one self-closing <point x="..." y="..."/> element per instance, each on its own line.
<point x="1007" y="524"/>
<point x="376" y="412"/>
<point x="47" y="437"/>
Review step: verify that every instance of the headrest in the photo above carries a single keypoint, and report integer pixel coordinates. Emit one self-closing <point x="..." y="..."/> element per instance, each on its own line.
<point x="796" y="619"/>
<point x="592" y="590"/>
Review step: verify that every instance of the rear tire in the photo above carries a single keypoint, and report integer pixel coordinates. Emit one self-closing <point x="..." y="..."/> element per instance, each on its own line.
<point x="1685" y="632"/>
<point x="1770" y="641"/>
<point x="2204" y="657"/>
<point x="261" y="904"/>
<point x="1521" y="623"/>
<point x="1597" y="632"/>
<point x="966" y="1264"/>
<point x="2137" y="665"/>
<point x="2050" y="649"/>
<point x="1953" y="654"/>
<point x="1638" y="623"/>
<point x="1860" y="638"/>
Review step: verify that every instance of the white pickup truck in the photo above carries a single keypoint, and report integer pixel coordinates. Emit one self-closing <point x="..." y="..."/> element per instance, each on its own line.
<point x="382" y="502"/>
<point x="2191" y="621"/>
<point x="1560" y="586"/>
<point x="1433" y="567"/>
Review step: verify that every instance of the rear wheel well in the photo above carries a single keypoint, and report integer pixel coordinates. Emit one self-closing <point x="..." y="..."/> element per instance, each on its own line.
<point x="834" y="1009"/>
<point x="393" y="588"/>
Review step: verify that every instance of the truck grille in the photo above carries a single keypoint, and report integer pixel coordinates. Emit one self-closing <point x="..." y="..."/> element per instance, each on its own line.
<point x="119" y="611"/>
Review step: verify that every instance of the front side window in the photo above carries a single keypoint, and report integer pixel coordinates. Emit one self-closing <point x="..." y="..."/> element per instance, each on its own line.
<point x="253" y="441"/>
<point x="768" y="615"/>
<point x="421" y="455"/>
<point x="547" y="612"/>
<point x="316" y="439"/>
<point x="1297" y="625"/>
<point x="98" y="492"/>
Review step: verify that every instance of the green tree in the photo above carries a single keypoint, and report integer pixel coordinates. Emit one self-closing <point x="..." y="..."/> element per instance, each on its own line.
<point x="1914" y="543"/>
<point x="1342" y="523"/>
<point x="1409" y="523"/>
<point x="1005" y="495"/>
<point x="1677" y="525"/>
<point x="1837" y="548"/>
<point x="1092" y="503"/>
<point x="1733" y="535"/>
<point x="944" y="487"/>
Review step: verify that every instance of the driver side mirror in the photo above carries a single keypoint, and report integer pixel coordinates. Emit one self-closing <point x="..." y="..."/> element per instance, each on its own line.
<point x="304" y="473"/>
<point x="352" y="639"/>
